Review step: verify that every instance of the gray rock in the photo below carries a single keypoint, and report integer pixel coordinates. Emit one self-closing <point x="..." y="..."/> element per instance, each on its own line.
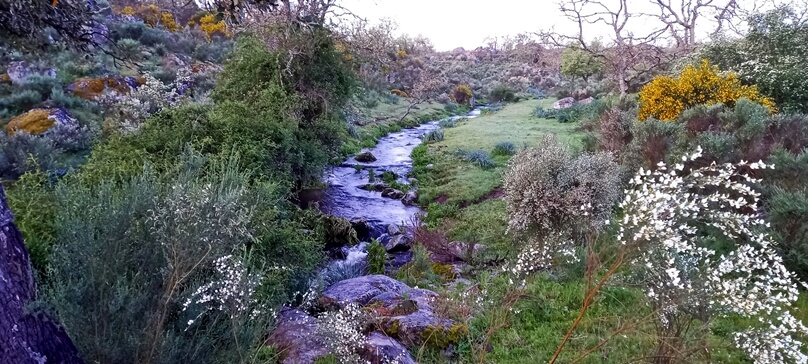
<point x="19" y="71"/>
<point x="296" y="338"/>
<point x="410" y="199"/>
<point x="361" y="290"/>
<point x="393" y="229"/>
<point x="461" y="250"/>
<point x="586" y="101"/>
<point x="564" y="103"/>
<point x="397" y="243"/>
<point x="380" y="348"/>
<point x="393" y="193"/>
<point x="365" y="157"/>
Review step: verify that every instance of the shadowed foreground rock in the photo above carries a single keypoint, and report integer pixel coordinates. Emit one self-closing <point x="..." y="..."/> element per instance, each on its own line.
<point x="26" y="336"/>
<point x="296" y="338"/>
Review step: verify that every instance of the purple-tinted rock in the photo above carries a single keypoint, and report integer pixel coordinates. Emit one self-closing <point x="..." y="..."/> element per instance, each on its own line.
<point x="380" y="348"/>
<point x="296" y="338"/>
<point x="564" y="103"/>
<point x="361" y="290"/>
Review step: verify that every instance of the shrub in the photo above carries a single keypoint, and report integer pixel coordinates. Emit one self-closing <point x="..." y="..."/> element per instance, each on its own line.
<point x="23" y="152"/>
<point x="20" y="102"/>
<point x="477" y="157"/>
<point x="461" y="94"/>
<point x="433" y="136"/>
<point x="129" y="48"/>
<point x="180" y="279"/>
<point x="549" y="190"/>
<point x="210" y="26"/>
<point x="447" y="123"/>
<point x="398" y="93"/>
<point x="788" y="214"/>
<point x="505" y="148"/>
<point x="32" y="200"/>
<point x="501" y="93"/>
<point x="377" y="257"/>
<point x="543" y="113"/>
<point x="666" y="97"/>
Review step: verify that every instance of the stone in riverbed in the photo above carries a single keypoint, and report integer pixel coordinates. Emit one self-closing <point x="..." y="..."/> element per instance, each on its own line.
<point x="393" y="229"/>
<point x="380" y="348"/>
<point x="392" y="193"/>
<point x="378" y="187"/>
<point x="365" y="157"/>
<point x="410" y="199"/>
<point x="397" y="243"/>
<point x="296" y="338"/>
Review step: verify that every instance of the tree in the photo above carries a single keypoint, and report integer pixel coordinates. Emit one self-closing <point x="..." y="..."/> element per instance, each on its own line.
<point x="577" y="63"/>
<point x="681" y="17"/>
<point x="630" y="57"/>
<point x="25" y="336"/>
<point x="24" y="22"/>
<point x="427" y="86"/>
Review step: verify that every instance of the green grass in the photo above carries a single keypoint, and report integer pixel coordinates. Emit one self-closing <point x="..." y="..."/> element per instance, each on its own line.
<point x="455" y="180"/>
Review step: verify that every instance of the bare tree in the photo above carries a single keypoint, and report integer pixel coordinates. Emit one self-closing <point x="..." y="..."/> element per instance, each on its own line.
<point x="427" y="86"/>
<point x="682" y="17"/>
<point x="629" y="56"/>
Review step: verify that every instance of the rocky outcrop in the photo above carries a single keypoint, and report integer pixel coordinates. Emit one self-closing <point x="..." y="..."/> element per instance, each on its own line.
<point x="365" y="157"/>
<point x="39" y="121"/>
<point x="564" y="103"/>
<point x="380" y="348"/>
<point x="296" y="338"/>
<point x="405" y="313"/>
<point x="91" y="88"/>
<point x="19" y="71"/>
<point x="26" y="335"/>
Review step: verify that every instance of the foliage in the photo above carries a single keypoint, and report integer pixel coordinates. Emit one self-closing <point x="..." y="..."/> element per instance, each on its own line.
<point x="343" y="332"/>
<point x="501" y="93"/>
<point x="377" y="257"/>
<point x="769" y="56"/>
<point x="461" y="94"/>
<point x="210" y="26"/>
<point x="666" y="97"/>
<point x="689" y="278"/>
<point x="447" y="123"/>
<point x="577" y="63"/>
<point x="788" y="213"/>
<point x="547" y="190"/>
<point x="25" y="22"/>
<point x="433" y="136"/>
<point x="180" y="282"/>
<point x="504" y="148"/>
<point x="32" y="200"/>
<point x="478" y="157"/>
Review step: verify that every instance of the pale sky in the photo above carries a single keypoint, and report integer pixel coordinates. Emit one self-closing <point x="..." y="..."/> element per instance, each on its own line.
<point x="467" y="23"/>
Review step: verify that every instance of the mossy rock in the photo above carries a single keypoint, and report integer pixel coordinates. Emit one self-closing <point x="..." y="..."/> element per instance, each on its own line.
<point x="36" y="121"/>
<point x="442" y="337"/>
<point x="446" y="271"/>
<point x="339" y="232"/>
<point x="90" y="88"/>
<point x="365" y="157"/>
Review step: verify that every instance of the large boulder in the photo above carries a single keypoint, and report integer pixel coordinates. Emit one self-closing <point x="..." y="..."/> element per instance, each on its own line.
<point x="380" y="348"/>
<point x="296" y="338"/>
<point x="405" y="313"/>
<point x="586" y="101"/>
<point x="365" y="157"/>
<point x="339" y="232"/>
<point x="39" y="121"/>
<point x="564" y="103"/>
<point x="19" y="71"/>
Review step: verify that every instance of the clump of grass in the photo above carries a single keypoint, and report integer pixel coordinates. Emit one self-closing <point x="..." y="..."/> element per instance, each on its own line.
<point x="480" y="158"/>
<point x="504" y="148"/>
<point x="447" y="123"/>
<point x="434" y="136"/>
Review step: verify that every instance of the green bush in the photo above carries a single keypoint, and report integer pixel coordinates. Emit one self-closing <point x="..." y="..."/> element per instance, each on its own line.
<point x="434" y="136"/>
<point x="447" y="123"/>
<point x="377" y="257"/>
<point x="32" y="200"/>
<point x="788" y="215"/>
<point x="170" y="243"/>
<point x="480" y="158"/>
<point x="502" y="93"/>
<point x="504" y="148"/>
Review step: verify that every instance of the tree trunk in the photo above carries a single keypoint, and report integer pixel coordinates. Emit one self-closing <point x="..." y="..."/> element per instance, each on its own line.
<point x="26" y="336"/>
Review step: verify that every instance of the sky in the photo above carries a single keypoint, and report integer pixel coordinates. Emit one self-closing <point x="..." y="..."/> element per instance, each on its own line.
<point x="467" y="23"/>
<point x="457" y="23"/>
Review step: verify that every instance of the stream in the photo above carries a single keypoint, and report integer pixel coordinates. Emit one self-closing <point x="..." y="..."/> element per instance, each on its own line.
<point x="345" y="198"/>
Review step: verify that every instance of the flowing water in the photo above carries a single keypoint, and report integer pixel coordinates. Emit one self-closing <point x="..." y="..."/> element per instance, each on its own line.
<point x="345" y="198"/>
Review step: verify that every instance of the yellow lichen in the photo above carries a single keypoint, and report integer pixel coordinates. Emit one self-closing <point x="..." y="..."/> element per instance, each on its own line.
<point x="398" y="93"/>
<point x="666" y="97"/>
<point x="36" y="121"/>
<point x="444" y="270"/>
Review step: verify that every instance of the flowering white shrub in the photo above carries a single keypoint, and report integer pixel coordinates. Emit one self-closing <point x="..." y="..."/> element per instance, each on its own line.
<point x="232" y="290"/>
<point x="342" y="332"/>
<point x="664" y="213"/>
<point x="128" y="112"/>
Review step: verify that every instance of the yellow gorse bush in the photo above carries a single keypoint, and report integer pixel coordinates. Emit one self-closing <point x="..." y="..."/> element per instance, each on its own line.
<point x="210" y="26"/>
<point x="666" y="97"/>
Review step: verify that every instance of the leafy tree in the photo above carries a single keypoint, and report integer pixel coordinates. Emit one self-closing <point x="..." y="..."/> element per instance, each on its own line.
<point x="771" y="56"/>
<point x="23" y="22"/>
<point x="577" y="63"/>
